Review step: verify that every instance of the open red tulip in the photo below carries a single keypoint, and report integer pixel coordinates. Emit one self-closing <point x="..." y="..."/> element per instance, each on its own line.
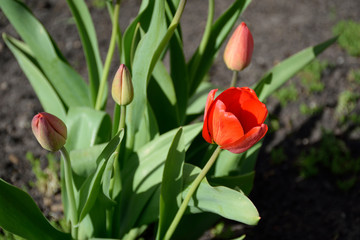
<point x="235" y="119"/>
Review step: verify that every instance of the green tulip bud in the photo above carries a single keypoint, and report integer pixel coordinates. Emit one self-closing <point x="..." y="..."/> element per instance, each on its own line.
<point x="122" y="89"/>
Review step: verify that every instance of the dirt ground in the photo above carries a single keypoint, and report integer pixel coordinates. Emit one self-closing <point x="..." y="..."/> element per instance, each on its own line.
<point x="291" y="206"/>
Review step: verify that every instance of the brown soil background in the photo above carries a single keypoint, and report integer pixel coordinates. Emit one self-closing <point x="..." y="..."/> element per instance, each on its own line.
<point x="290" y="207"/>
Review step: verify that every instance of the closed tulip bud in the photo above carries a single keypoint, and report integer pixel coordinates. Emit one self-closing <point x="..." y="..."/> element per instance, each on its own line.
<point x="239" y="49"/>
<point x="122" y="89"/>
<point x="49" y="130"/>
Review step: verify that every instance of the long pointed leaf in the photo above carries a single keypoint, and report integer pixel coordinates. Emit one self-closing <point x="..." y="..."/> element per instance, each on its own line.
<point x="90" y="45"/>
<point x="282" y="72"/>
<point x="141" y="70"/>
<point x="143" y="177"/>
<point x="43" y="89"/>
<point x="172" y="183"/>
<point x="163" y="99"/>
<point x="68" y="83"/>
<point x="91" y="187"/>
<point x="20" y="215"/>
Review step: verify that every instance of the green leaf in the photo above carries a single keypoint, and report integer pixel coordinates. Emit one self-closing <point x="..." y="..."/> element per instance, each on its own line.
<point x="282" y="72"/>
<point x="21" y="216"/>
<point x="87" y="127"/>
<point x="148" y="129"/>
<point x="143" y="65"/>
<point x="171" y="184"/>
<point x="162" y="97"/>
<point x="219" y="200"/>
<point x="197" y="102"/>
<point x="218" y="34"/>
<point x="67" y="82"/>
<point x="143" y="173"/>
<point x="90" y="45"/>
<point x="89" y="191"/>
<point x="223" y="201"/>
<point x="127" y="40"/>
<point x="178" y="67"/>
<point x="243" y="182"/>
<point x="48" y="97"/>
<point x="84" y="163"/>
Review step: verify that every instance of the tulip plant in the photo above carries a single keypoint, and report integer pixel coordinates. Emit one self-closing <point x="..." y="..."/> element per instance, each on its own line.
<point x="153" y="160"/>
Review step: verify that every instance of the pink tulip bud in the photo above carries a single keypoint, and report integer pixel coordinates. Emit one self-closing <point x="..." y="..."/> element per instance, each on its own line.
<point x="49" y="130"/>
<point x="122" y="89"/>
<point x="239" y="49"/>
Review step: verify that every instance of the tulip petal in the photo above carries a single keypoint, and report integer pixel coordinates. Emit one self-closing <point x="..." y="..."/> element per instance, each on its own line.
<point x="224" y="127"/>
<point x="245" y="105"/>
<point x="56" y="124"/>
<point x="248" y="140"/>
<point x="209" y="101"/>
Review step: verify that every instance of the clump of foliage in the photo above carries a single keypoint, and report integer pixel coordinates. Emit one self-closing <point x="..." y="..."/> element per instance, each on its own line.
<point x="47" y="180"/>
<point x="354" y="75"/>
<point x="346" y="104"/>
<point x="333" y="156"/>
<point x="310" y="76"/>
<point x="309" y="109"/>
<point x="287" y="94"/>
<point x="278" y="155"/>
<point x="349" y="36"/>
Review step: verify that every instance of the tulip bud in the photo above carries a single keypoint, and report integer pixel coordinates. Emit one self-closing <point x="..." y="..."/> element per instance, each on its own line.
<point x="239" y="49"/>
<point x="122" y="89"/>
<point x="49" y="130"/>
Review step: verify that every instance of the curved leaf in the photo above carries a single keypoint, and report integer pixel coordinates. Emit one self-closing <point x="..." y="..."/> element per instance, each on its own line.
<point x="90" y="45"/>
<point x="143" y="174"/>
<point x="20" y="215"/>
<point x="48" y="97"/>
<point x="87" y="127"/>
<point x="171" y="184"/>
<point x="282" y="72"/>
<point x="89" y="191"/>
<point x="142" y="67"/>
<point x="68" y="83"/>
<point x="224" y="201"/>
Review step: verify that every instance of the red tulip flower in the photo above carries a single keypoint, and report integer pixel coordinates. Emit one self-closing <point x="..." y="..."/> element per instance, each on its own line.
<point x="49" y="130"/>
<point x="235" y="119"/>
<point x="238" y="51"/>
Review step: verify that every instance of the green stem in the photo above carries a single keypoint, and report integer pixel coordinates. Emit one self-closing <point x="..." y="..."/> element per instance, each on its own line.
<point x="234" y="79"/>
<point x="122" y="117"/>
<point x="117" y="174"/>
<point x="70" y="191"/>
<point x="110" y="9"/>
<point x="109" y="56"/>
<point x="173" y="25"/>
<point x="190" y="193"/>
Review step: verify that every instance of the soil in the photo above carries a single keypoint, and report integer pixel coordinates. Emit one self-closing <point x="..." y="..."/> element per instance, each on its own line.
<point x="291" y="206"/>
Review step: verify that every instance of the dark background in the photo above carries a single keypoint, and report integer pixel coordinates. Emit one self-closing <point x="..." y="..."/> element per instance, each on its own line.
<point x="292" y="205"/>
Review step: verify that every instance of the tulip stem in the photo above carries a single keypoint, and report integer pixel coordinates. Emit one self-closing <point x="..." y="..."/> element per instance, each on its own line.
<point x="70" y="191"/>
<point x="234" y="79"/>
<point x="109" y="56"/>
<point x="190" y="193"/>
<point x="117" y="172"/>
